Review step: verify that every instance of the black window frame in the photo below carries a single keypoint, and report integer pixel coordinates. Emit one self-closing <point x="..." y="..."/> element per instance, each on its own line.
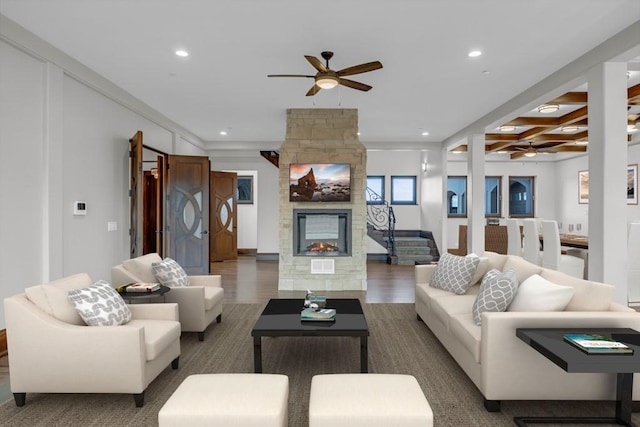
<point x="532" y="179"/>
<point x="383" y="183"/>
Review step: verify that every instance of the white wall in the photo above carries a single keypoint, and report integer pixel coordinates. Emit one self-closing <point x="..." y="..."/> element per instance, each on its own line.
<point x="23" y="173"/>
<point x="263" y="215"/>
<point x="569" y="210"/>
<point x="62" y="139"/>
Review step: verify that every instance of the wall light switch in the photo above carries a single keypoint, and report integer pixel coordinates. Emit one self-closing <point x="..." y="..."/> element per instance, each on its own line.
<point x="112" y="226"/>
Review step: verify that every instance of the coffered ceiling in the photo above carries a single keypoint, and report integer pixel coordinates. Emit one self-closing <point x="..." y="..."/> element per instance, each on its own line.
<point x="561" y="127"/>
<point x="428" y="89"/>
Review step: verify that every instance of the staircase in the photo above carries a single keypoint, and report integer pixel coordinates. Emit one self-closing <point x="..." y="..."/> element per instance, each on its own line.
<point x="410" y="250"/>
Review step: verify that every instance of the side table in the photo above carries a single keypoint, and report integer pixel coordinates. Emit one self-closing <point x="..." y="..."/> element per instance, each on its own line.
<point x="137" y="296"/>
<point x="550" y="343"/>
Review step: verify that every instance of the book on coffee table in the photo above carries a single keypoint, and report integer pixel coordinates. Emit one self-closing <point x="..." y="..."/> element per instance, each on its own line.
<point x="323" y="315"/>
<point x="597" y="344"/>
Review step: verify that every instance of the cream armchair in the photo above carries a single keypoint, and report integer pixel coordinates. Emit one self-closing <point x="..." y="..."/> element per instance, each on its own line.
<point x="51" y="350"/>
<point x="200" y="302"/>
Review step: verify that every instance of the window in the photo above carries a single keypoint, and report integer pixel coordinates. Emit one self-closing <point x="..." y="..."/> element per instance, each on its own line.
<point x="375" y="190"/>
<point x="492" y="188"/>
<point x="457" y="196"/>
<point x="521" y="196"/>
<point x="403" y="190"/>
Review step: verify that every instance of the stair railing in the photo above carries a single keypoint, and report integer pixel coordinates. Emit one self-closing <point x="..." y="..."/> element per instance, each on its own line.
<point x="380" y="217"/>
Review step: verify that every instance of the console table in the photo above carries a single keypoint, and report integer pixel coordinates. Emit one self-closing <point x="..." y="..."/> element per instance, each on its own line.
<point x="550" y="343"/>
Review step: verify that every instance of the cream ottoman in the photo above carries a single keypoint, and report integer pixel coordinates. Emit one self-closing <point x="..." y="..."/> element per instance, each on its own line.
<point x="239" y="400"/>
<point x="371" y="400"/>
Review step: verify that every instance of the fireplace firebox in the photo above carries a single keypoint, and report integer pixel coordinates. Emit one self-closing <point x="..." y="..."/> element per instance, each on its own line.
<point x="322" y="232"/>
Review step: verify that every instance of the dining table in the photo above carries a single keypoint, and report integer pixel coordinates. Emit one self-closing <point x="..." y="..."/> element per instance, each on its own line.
<point x="574" y="241"/>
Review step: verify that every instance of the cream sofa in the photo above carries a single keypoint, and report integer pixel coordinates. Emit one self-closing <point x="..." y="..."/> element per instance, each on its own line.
<point x="199" y="303"/>
<point x="501" y="365"/>
<point x="51" y="349"/>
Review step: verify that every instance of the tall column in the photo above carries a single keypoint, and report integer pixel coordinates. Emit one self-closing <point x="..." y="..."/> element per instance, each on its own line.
<point x="608" y="176"/>
<point x="475" y="193"/>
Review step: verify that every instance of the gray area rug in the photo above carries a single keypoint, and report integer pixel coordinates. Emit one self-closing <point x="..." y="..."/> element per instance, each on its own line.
<point x="398" y="344"/>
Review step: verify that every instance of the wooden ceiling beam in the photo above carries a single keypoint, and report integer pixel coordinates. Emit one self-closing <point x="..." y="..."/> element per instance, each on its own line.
<point x="571" y="98"/>
<point x="501" y="145"/>
<point x="633" y="94"/>
<point x="561" y="137"/>
<point x="501" y="137"/>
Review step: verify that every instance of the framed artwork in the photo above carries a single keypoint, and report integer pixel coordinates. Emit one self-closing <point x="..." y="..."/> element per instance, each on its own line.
<point x="245" y="190"/>
<point x="632" y="184"/>
<point x="583" y="187"/>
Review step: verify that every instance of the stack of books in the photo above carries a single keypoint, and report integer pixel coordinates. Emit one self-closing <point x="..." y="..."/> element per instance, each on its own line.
<point x="322" y="315"/>
<point x="597" y="344"/>
<point x="138" y="287"/>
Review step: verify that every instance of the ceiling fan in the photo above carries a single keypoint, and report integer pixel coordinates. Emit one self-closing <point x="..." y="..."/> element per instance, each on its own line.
<point x="326" y="78"/>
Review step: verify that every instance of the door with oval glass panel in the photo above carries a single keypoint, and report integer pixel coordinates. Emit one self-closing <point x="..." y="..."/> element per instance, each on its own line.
<point x="188" y="212"/>
<point x="224" y="225"/>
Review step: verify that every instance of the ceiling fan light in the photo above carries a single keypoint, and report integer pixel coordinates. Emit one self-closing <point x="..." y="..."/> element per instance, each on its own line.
<point x="507" y="128"/>
<point x="548" y="108"/>
<point x="530" y="154"/>
<point x="632" y="127"/>
<point x="327" y="82"/>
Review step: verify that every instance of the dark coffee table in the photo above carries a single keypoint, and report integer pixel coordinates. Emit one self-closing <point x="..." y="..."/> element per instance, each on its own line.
<point x="550" y="343"/>
<point x="281" y="317"/>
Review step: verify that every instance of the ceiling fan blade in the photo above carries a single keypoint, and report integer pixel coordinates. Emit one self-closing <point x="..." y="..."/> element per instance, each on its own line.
<point x="354" y="85"/>
<point x="314" y="89"/>
<point x="517" y="155"/>
<point x="362" y="68"/>
<point x="317" y="64"/>
<point x="288" y="75"/>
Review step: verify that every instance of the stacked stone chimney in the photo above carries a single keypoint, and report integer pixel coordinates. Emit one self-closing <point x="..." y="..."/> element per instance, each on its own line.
<point x="323" y="136"/>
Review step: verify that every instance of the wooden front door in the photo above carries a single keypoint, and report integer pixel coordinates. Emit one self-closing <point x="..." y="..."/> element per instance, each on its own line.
<point x="135" y="196"/>
<point x="224" y="228"/>
<point x="188" y="212"/>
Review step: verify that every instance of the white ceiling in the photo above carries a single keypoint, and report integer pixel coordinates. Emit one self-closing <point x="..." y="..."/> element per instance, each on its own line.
<point x="427" y="84"/>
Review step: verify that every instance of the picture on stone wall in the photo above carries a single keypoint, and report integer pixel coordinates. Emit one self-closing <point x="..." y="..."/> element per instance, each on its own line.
<point x="320" y="182"/>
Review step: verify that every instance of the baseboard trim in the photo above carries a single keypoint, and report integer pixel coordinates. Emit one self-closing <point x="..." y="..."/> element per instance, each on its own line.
<point x="268" y="257"/>
<point x="251" y="252"/>
<point x="3" y="341"/>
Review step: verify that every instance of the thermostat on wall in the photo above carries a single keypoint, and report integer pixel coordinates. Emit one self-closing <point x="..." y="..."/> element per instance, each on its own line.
<point x="79" y="208"/>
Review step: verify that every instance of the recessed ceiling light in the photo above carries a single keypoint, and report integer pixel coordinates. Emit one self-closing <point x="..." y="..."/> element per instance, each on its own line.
<point x="425" y="133"/>
<point x="548" y="108"/>
<point x="507" y="128"/>
<point x="182" y="53"/>
<point x="358" y="133"/>
<point x="223" y="132"/>
<point x="582" y="142"/>
<point x="569" y="128"/>
<point x="474" y="53"/>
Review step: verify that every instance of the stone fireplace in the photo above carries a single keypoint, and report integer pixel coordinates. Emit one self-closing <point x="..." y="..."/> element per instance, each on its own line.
<point x="326" y="233"/>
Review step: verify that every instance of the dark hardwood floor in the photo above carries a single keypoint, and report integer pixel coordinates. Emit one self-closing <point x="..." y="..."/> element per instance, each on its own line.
<point x="246" y="281"/>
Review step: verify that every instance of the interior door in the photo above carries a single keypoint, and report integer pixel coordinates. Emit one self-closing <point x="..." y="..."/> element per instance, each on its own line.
<point x="224" y="224"/>
<point x="135" y="195"/>
<point x="160" y="197"/>
<point x="188" y="212"/>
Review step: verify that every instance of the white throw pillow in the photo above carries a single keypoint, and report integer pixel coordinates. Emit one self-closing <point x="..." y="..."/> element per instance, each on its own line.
<point x="496" y="293"/>
<point x="169" y="273"/>
<point x="481" y="270"/>
<point x="538" y="294"/>
<point x="454" y="273"/>
<point x="100" y="305"/>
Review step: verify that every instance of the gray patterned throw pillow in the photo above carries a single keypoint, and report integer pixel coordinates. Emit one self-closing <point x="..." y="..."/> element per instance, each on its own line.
<point x="169" y="273"/>
<point x="496" y="293"/>
<point x="100" y="305"/>
<point x="454" y="273"/>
